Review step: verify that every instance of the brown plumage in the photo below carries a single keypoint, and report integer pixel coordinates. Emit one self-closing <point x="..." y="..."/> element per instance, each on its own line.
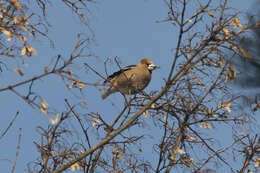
<point x="131" y="79"/>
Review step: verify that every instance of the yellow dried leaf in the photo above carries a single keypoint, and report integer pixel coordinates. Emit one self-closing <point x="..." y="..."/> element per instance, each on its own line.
<point x="191" y="138"/>
<point x="231" y="74"/>
<point x="95" y="122"/>
<point x="24" y="50"/>
<point x="8" y="33"/>
<point x="226" y="78"/>
<point x="80" y="85"/>
<point x="145" y="113"/>
<point x="34" y="51"/>
<point x="85" y="102"/>
<point x="257" y="162"/>
<point x="206" y="125"/>
<point x="236" y="23"/>
<point x="153" y="105"/>
<point x="189" y="20"/>
<point x="15" y="19"/>
<point x="180" y="151"/>
<point x="43" y="107"/>
<point x="227" y="33"/>
<point x="117" y="154"/>
<point x="52" y="121"/>
<point x="226" y="105"/>
<point x="172" y="157"/>
<point x="19" y="70"/>
<point x="209" y="13"/>
<point x="74" y="167"/>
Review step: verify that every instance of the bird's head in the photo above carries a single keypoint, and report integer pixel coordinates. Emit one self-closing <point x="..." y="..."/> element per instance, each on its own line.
<point x="148" y="64"/>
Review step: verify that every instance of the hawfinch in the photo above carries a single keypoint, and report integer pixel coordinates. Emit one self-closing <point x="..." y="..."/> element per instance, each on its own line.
<point x="131" y="79"/>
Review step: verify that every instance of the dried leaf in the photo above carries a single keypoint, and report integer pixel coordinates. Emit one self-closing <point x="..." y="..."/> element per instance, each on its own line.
<point x="227" y="33"/>
<point x="172" y="157"/>
<point x="257" y="162"/>
<point x="95" y="122"/>
<point x="32" y="50"/>
<point x="28" y="51"/>
<point x="24" y="50"/>
<point x="180" y="151"/>
<point x="189" y="20"/>
<point x="153" y="105"/>
<point x="209" y="13"/>
<point x="80" y="85"/>
<point x="43" y="107"/>
<point x="206" y="125"/>
<point x="74" y="167"/>
<point x="117" y="154"/>
<point x="19" y="70"/>
<point x="231" y="74"/>
<point x="236" y="23"/>
<point x="8" y="33"/>
<point x="145" y="113"/>
<point x="52" y="121"/>
<point x="191" y="138"/>
<point x="226" y="105"/>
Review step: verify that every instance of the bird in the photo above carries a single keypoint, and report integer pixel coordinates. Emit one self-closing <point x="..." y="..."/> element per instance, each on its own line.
<point x="131" y="79"/>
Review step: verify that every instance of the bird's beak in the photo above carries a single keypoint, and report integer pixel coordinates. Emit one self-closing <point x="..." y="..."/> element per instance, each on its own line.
<point x="152" y="67"/>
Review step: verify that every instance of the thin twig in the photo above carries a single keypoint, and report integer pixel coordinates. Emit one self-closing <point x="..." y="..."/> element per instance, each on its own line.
<point x="9" y="125"/>
<point x="17" y="150"/>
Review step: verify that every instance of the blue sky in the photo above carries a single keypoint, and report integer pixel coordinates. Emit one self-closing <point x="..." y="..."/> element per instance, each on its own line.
<point x="126" y="29"/>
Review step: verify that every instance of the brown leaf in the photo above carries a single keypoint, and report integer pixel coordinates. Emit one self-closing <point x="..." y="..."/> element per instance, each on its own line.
<point x="19" y="70"/>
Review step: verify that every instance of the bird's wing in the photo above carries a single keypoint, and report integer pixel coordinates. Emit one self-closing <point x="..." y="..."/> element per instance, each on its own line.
<point x="117" y="73"/>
